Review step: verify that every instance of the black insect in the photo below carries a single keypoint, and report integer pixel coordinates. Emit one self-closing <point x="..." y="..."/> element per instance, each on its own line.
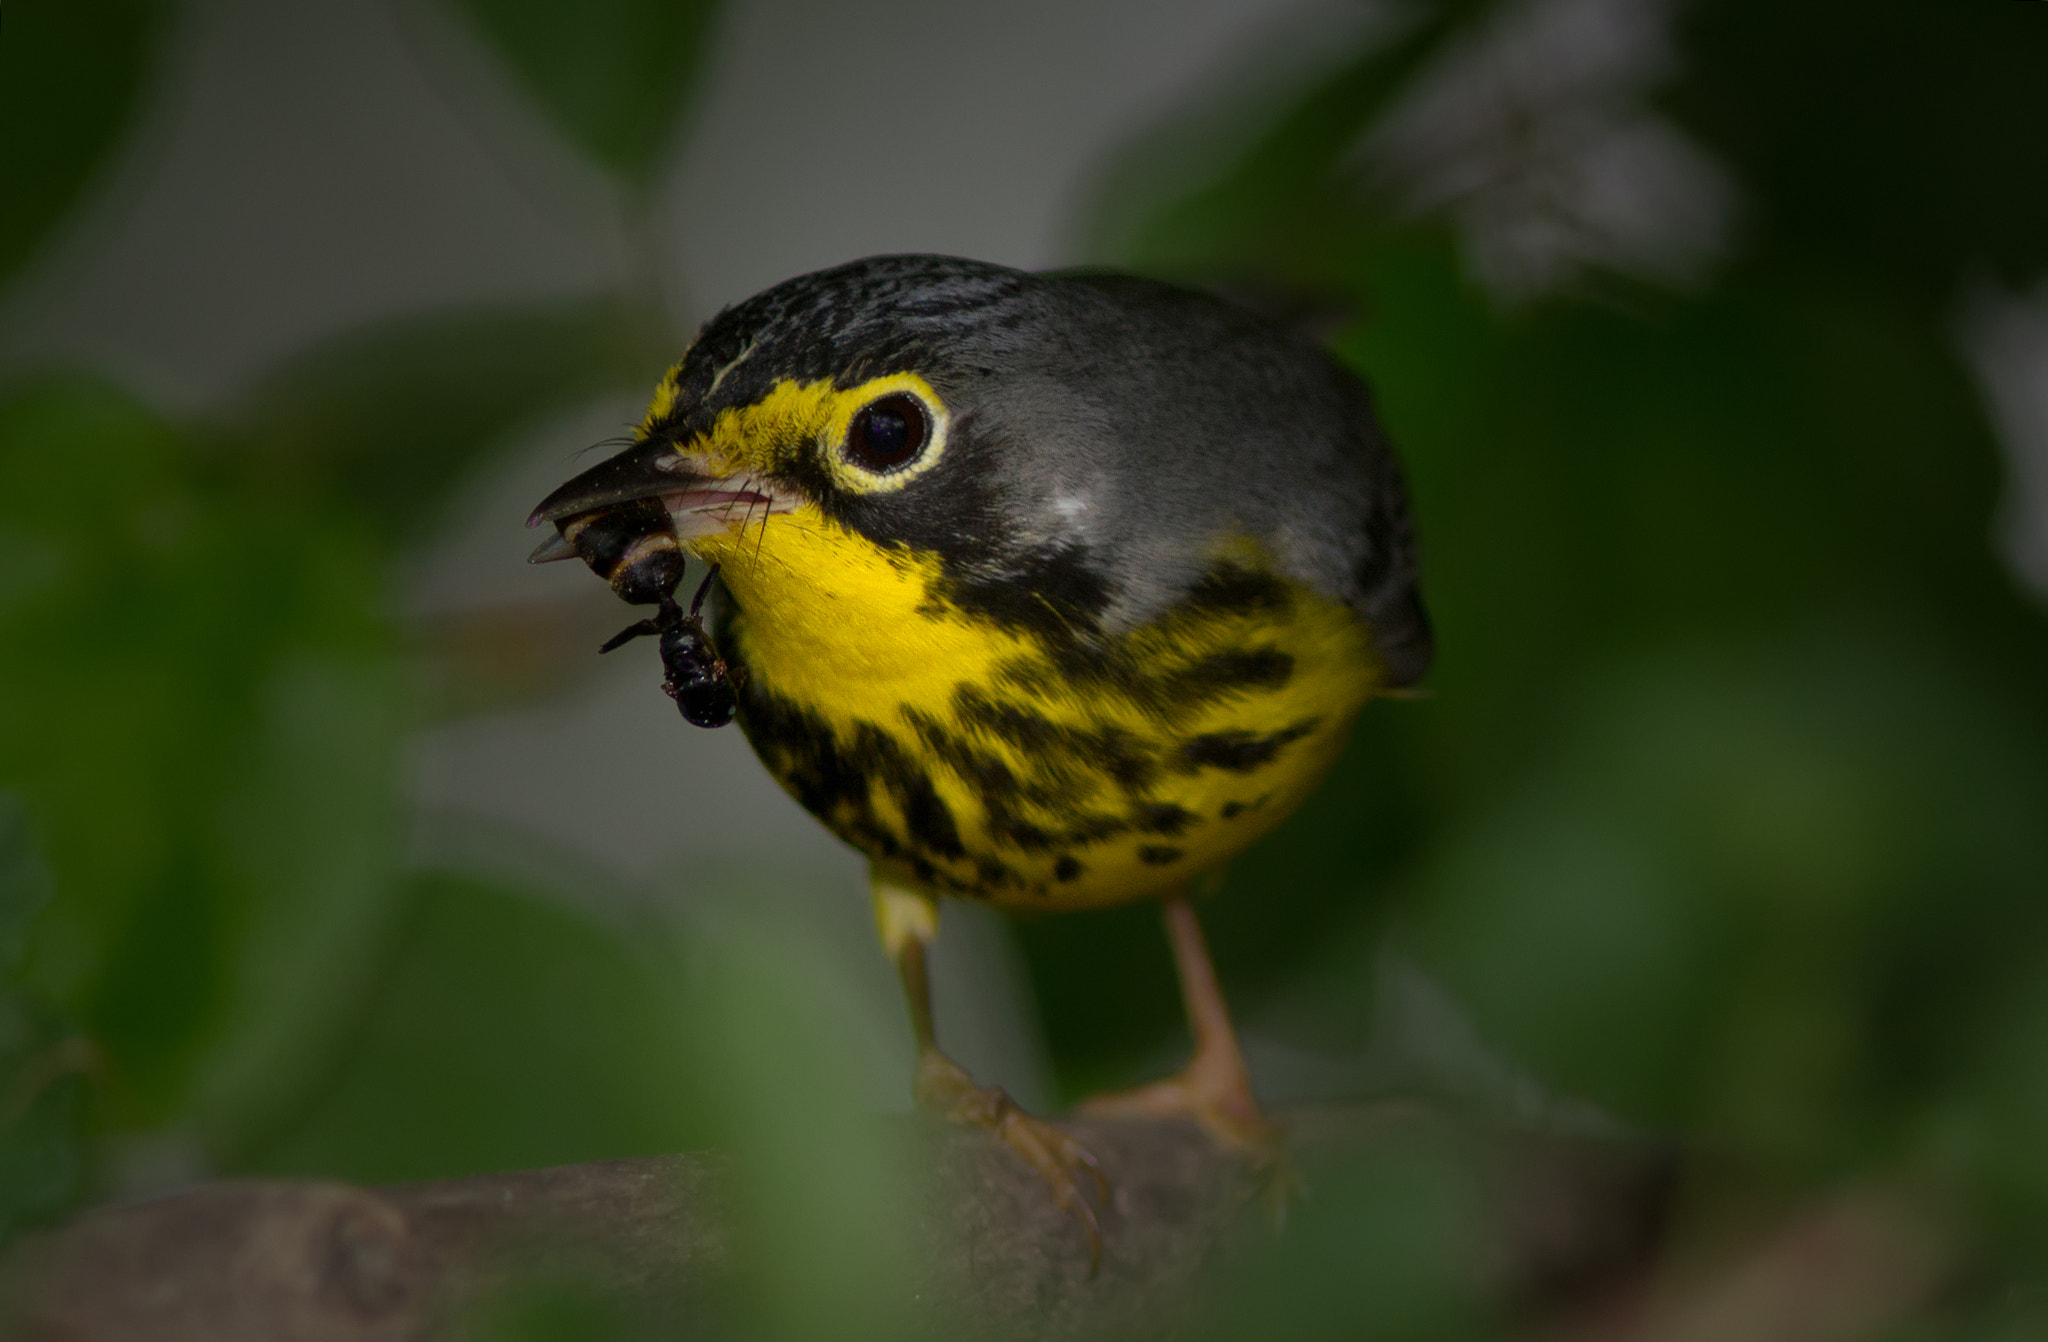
<point x="697" y="677"/>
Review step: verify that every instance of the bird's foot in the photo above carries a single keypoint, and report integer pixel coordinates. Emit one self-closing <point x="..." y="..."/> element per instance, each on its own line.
<point x="1216" y="1098"/>
<point x="1214" y="1092"/>
<point x="944" y="1090"/>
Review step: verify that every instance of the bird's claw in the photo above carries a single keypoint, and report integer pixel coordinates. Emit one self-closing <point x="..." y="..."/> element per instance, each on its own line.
<point x="1219" y="1100"/>
<point x="1058" y="1157"/>
<point x="945" y="1091"/>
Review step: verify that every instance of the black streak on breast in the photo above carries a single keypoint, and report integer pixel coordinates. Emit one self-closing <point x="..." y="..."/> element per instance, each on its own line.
<point x="1239" y="751"/>
<point x="835" y="780"/>
<point x="1069" y="785"/>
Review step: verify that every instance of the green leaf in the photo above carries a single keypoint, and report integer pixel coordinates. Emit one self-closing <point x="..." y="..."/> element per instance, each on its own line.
<point x="1383" y="1249"/>
<point x="613" y="75"/>
<point x="43" y="1066"/>
<point x="388" y="418"/>
<point x="1777" y="896"/>
<point x="41" y="1059"/>
<point x="24" y="883"/>
<point x="1276" y="202"/>
<point x="313" y="831"/>
<point x="200" y="712"/>
<point x="71" y="74"/>
<point x="504" y="1032"/>
<point x="1830" y="116"/>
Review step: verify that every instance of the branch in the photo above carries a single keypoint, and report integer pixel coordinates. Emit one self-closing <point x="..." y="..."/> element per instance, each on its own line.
<point x="248" y="1260"/>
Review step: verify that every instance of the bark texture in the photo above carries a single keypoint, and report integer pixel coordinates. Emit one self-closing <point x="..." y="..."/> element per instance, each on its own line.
<point x="286" y="1261"/>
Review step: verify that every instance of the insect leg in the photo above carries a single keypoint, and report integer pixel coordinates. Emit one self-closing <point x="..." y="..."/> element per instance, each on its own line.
<point x="697" y="601"/>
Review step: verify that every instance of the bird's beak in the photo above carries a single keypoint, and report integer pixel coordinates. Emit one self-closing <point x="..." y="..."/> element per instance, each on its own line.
<point x="699" y="502"/>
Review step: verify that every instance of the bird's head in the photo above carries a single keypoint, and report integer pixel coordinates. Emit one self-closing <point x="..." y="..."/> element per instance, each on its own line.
<point x="1070" y="451"/>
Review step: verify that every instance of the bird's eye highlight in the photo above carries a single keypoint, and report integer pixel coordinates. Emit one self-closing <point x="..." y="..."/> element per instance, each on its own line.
<point x="888" y="433"/>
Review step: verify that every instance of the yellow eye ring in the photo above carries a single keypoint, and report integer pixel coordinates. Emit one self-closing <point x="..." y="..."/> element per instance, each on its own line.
<point x="885" y="433"/>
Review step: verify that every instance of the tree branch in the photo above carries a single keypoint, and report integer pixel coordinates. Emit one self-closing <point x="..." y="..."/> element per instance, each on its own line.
<point x="289" y="1259"/>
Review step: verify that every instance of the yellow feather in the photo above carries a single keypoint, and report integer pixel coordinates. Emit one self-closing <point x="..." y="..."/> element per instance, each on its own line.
<point x="861" y="636"/>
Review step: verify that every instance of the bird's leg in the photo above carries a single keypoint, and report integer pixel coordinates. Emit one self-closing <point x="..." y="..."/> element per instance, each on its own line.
<point x="908" y="921"/>
<point x="1214" y="1089"/>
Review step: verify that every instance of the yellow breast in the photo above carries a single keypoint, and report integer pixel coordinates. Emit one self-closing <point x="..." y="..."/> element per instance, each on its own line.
<point x="968" y="757"/>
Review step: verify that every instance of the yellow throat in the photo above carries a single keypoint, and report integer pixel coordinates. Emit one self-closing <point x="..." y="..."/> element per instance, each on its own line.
<point x="968" y="757"/>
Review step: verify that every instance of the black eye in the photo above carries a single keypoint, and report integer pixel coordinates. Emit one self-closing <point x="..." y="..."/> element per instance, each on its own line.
<point x="887" y="434"/>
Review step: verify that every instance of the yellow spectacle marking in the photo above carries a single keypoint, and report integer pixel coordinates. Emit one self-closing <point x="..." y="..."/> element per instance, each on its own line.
<point x="665" y="394"/>
<point x="770" y="435"/>
<point x="859" y="480"/>
<point x="796" y="419"/>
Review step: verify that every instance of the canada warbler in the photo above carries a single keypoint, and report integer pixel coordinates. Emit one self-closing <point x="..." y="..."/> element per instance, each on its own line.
<point x="1050" y="591"/>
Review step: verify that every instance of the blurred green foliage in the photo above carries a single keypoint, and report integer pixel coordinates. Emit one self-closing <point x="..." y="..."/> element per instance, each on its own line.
<point x="388" y="419"/>
<point x="611" y="75"/>
<point x="71" y="75"/>
<point x="1384" y="1244"/>
<point x="200" y="723"/>
<point x="1724" y="812"/>
<point x="204" y="914"/>
<point x="480" y="1019"/>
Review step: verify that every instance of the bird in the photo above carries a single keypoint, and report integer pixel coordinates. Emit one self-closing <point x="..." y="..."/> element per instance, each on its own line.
<point x="1049" y="591"/>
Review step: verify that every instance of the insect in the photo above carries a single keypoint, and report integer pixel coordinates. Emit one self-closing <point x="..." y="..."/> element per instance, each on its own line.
<point x="634" y="546"/>
<point x="695" y="676"/>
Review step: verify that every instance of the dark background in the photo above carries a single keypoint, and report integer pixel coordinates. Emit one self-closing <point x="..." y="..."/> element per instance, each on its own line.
<point x="1714" y="337"/>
